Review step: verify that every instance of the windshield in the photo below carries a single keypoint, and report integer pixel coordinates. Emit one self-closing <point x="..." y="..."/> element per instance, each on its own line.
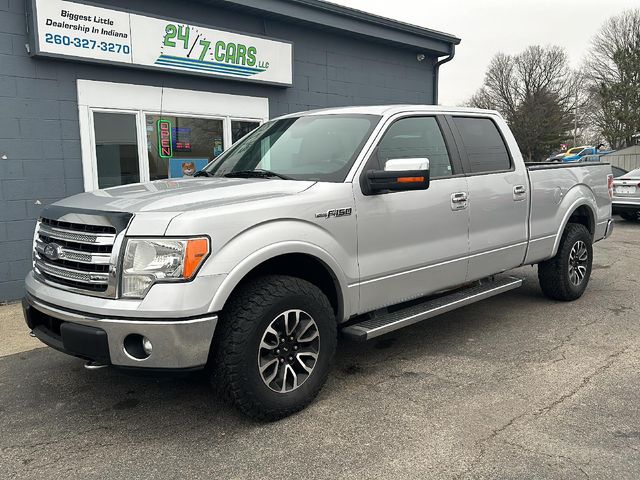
<point x="314" y="147"/>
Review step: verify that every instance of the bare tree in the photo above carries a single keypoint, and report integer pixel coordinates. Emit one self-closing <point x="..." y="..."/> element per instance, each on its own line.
<point x="613" y="67"/>
<point x="536" y="92"/>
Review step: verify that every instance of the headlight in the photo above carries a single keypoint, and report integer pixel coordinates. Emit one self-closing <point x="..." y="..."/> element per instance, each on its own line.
<point x="152" y="260"/>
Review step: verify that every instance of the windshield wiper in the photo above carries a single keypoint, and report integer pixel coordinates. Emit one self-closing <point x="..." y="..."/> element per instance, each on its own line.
<point x="202" y="173"/>
<point x="257" y="173"/>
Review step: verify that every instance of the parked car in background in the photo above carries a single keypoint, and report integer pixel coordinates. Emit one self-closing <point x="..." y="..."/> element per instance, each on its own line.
<point x="556" y="157"/>
<point x="626" y="195"/>
<point x="617" y="171"/>
<point x="577" y="156"/>
<point x="575" y="150"/>
<point x="589" y="154"/>
<point x="591" y="158"/>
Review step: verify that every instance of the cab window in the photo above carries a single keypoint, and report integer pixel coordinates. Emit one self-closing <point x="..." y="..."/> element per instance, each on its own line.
<point x="415" y="137"/>
<point x="485" y="147"/>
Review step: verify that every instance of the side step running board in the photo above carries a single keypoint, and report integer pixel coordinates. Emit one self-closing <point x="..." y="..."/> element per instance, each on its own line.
<point x="386" y="322"/>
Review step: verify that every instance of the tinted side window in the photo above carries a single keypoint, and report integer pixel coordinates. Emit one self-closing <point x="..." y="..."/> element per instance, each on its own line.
<point x="416" y="137"/>
<point x="617" y="171"/>
<point x="484" y="144"/>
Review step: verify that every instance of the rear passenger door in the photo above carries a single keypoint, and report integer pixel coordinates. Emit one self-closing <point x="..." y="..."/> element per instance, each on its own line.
<point x="498" y="195"/>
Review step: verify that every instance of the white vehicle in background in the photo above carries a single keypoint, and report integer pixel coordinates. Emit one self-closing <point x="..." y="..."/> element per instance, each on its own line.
<point x="626" y="195"/>
<point x="361" y="220"/>
<point x="617" y="171"/>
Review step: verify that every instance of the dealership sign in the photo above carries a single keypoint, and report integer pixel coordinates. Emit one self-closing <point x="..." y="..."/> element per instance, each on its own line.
<point x="89" y="33"/>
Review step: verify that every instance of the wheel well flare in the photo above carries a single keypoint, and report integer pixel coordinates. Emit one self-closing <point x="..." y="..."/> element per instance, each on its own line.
<point x="584" y="216"/>
<point x="303" y="266"/>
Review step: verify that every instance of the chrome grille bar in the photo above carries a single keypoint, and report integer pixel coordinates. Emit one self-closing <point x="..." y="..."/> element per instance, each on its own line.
<point x="77" y="237"/>
<point x="73" y="275"/>
<point x="76" y="256"/>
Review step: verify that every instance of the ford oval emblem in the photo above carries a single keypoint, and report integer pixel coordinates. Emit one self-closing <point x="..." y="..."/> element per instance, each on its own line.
<point x="53" y="251"/>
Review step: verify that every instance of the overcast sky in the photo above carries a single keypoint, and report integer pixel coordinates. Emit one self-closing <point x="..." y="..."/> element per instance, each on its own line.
<point x="489" y="26"/>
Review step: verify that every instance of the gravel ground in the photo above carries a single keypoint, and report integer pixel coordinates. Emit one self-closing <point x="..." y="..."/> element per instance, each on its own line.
<point x="513" y="387"/>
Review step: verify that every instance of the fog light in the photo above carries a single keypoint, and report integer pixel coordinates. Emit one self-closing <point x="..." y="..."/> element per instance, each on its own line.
<point x="137" y="347"/>
<point x="147" y="346"/>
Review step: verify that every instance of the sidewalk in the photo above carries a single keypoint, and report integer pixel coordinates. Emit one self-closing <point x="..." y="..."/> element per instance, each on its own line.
<point x="14" y="332"/>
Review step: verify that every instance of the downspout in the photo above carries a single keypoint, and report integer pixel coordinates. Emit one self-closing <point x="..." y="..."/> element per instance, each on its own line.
<point x="436" y="69"/>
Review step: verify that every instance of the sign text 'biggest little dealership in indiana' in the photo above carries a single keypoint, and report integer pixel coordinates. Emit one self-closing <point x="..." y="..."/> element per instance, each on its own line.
<point x="93" y="33"/>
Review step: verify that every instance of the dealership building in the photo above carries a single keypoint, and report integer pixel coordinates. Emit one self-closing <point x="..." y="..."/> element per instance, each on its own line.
<point x="101" y="93"/>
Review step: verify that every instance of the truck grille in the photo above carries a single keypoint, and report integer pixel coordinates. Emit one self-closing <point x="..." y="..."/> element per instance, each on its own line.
<point x="74" y="254"/>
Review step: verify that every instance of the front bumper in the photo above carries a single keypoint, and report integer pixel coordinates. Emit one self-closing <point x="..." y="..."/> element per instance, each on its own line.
<point x="177" y="343"/>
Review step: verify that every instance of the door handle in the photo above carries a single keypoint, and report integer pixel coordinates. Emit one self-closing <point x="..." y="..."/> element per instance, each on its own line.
<point x="519" y="192"/>
<point x="459" y="197"/>
<point x="459" y="201"/>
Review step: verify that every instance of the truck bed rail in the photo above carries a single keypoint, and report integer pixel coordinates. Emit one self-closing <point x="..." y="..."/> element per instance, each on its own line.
<point x="549" y="165"/>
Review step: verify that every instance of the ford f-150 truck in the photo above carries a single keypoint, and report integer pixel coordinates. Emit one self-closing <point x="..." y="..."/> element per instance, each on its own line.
<point x="361" y="220"/>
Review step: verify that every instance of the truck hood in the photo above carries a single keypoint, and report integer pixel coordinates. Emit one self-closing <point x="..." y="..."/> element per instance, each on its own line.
<point x="182" y="195"/>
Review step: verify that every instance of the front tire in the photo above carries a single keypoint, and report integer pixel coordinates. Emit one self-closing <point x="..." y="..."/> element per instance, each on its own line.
<point x="276" y="343"/>
<point x="565" y="276"/>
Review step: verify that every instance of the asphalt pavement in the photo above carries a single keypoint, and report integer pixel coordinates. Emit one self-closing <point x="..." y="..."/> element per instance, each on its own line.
<point x="517" y="386"/>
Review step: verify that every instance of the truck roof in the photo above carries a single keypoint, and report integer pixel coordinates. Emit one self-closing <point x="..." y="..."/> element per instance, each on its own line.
<point x="389" y="110"/>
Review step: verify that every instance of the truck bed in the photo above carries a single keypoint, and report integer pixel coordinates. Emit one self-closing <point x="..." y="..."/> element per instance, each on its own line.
<point x="556" y="191"/>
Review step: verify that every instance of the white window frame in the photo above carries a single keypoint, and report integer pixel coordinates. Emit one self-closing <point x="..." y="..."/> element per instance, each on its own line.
<point x="142" y="100"/>
<point x="236" y="119"/>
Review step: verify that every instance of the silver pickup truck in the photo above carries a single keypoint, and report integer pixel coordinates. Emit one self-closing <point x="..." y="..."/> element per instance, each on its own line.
<point x="360" y="220"/>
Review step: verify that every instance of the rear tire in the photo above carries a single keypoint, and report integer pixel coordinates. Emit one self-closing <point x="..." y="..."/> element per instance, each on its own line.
<point x="631" y="216"/>
<point x="565" y="276"/>
<point x="276" y="343"/>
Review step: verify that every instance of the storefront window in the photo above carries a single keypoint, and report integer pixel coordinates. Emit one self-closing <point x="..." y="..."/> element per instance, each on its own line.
<point x="240" y="128"/>
<point x="116" y="149"/>
<point x="180" y="146"/>
<point x="126" y="140"/>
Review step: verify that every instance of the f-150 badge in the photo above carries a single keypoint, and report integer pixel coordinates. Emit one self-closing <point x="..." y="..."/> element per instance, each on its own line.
<point x="335" y="212"/>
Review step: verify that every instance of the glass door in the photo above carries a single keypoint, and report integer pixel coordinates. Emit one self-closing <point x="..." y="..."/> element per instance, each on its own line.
<point x="116" y="148"/>
<point x="179" y="146"/>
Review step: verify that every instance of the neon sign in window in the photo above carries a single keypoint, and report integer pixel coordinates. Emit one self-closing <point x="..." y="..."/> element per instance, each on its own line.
<point x="165" y="147"/>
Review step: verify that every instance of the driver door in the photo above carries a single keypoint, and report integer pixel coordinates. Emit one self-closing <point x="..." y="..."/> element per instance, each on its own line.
<point x="413" y="243"/>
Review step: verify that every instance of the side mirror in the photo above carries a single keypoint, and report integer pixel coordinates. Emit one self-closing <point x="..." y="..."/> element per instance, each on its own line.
<point x="398" y="175"/>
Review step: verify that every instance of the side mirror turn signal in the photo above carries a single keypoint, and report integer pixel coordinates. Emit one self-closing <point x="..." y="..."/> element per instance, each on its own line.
<point x="399" y="175"/>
